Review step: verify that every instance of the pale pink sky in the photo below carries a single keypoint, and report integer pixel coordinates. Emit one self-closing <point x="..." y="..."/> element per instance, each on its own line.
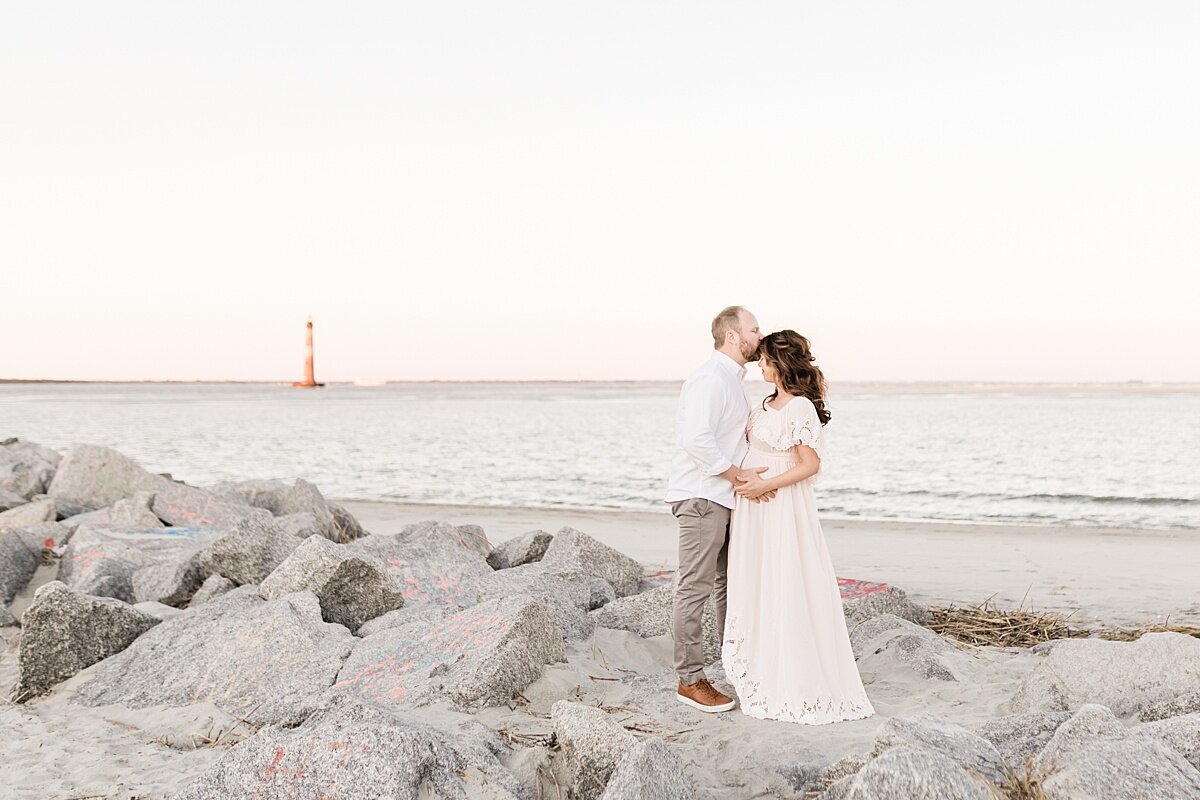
<point x="563" y="190"/>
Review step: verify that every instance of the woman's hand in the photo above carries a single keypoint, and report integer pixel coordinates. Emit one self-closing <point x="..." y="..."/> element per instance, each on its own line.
<point x="755" y="489"/>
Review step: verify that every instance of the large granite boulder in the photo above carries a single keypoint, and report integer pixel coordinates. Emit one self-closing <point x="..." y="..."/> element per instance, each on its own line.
<point x="64" y="632"/>
<point x="19" y="560"/>
<point x="1124" y="676"/>
<point x="6" y="618"/>
<point x="1018" y="736"/>
<point x="424" y="613"/>
<point x="171" y="583"/>
<point x="98" y="563"/>
<point x="524" y="549"/>
<point x="649" y="614"/>
<point x="1181" y="734"/>
<point x="482" y="656"/>
<point x="10" y="500"/>
<point x="265" y="661"/>
<point x="567" y="596"/>
<point x="912" y="773"/>
<point x="33" y="513"/>
<point x="305" y="498"/>
<point x="862" y="600"/>
<point x="429" y="564"/>
<point x="26" y="469"/>
<point x="50" y="534"/>
<point x="134" y="513"/>
<point x="1092" y="755"/>
<point x="351" y="750"/>
<point x="352" y="589"/>
<point x="1185" y="703"/>
<point x="345" y="527"/>
<point x="882" y="642"/>
<point x="95" y="477"/>
<point x="578" y="552"/>
<point x="265" y="494"/>
<point x="968" y="750"/>
<point x="180" y="505"/>
<point x="213" y="587"/>
<point x="592" y="745"/>
<point x="650" y="770"/>
<point x="250" y="551"/>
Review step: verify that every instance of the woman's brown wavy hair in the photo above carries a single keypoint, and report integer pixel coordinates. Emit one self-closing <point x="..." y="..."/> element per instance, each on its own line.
<point x="792" y="358"/>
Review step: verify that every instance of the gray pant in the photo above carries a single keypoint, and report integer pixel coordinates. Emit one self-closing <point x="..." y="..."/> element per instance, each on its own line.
<point x="703" y="557"/>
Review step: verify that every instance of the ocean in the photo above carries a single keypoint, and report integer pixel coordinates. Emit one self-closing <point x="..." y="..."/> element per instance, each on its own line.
<point x="1105" y="458"/>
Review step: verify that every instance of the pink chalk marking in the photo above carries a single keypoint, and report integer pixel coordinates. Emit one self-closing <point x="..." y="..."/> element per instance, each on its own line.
<point x="852" y="589"/>
<point x="88" y="558"/>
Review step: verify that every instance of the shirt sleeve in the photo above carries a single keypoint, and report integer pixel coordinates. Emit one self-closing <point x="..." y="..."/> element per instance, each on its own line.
<point x="701" y="413"/>
<point x="804" y="427"/>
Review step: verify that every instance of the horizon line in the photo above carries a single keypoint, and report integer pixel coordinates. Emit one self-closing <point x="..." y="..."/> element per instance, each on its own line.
<point x="1132" y="382"/>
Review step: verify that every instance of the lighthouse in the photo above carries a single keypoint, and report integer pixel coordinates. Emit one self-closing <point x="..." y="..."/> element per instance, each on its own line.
<point x="310" y="381"/>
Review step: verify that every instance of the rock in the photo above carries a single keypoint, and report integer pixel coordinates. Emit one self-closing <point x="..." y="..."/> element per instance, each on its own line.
<point x="575" y="551"/>
<point x="100" y="564"/>
<point x="1186" y="703"/>
<point x="567" y="595"/>
<point x="351" y="589"/>
<point x="912" y="773"/>
<point x="649" y="614"/>
<point x="592" y="744"/>
<point x="350" y="751"/>
<point x="887" y="638"/>
<point x="6" y="618"/>
<point x="650" y="770"/>
<point x="28" y="514"/>
<point x="1086" y="726"/>
<point x="264" y="494"/>
<point x="213" y="587"/>
<point x="803" y="778"/>
<point x="472" y="537"/>
<point x="1124" y="676"/>
<point x="134" y="512"/>
<point x="346" y="527"/>
<point x="96" y="477"/>
<point x="18" y="563"/>
<point x="26" y="469"/>
<point x="1123" y="768"/>
<point x="1181" y="734"/>
<point x="64" y="632"/>
<point x="94" y="519"/>
<point x="181" y="505"/>
<point x="482" y="656"/>
<point x="844" y="767"/>
<point x="428" y="563"/>
<point x="171" y="583"/>
<point x="425" y="613"/>
<point x="10" y="500"/>
<point x="1019" y="736"/>
<point x="49" y="534"/>
<point x="301" y="525"/>
<point x="524" y="549"/>
<point x="267" y="661"/>
<point x="304" y="498"/>
<point x="249" y="552"/>
<point x="158" y="610"/>
<point x="862" y="600"/>
<point x="924" y="730"/>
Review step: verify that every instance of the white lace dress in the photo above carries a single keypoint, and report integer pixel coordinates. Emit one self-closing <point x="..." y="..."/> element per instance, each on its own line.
<point x="786" y="649"/>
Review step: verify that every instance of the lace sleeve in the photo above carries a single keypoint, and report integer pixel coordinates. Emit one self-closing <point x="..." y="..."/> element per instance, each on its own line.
<point x="804" y="426"/>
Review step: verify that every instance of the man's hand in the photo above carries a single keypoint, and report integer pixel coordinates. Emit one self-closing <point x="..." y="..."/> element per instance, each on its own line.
<point x="748" y="484"/>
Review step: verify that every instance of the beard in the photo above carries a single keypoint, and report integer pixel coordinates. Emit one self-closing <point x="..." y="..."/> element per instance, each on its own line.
<point x="748" y="350"/>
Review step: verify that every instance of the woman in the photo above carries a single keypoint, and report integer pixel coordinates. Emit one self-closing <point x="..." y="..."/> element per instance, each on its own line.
<point x="786" y="650"/>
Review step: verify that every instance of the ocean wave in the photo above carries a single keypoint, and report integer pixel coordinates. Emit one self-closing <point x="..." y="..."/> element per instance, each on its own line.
<point x="1041" y="496"/>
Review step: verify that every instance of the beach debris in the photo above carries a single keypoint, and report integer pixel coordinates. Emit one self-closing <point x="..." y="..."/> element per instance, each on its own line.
<point x="213" y="587"/>
<point x="63" y="632"/>
<point x="888" y="639"/>
<point x="987" y="625"/>
<point x="1124" y="676"/>
<point x="29" y="514"/>
<point x="349" y="750"/>
<point x="26" y="468"/>
<point x="482" y="656"/>
<point x="650" y="770"/>
<point x="266" y="661"/>
<point x="352" y="589"/>
<point x="524" y="549"/>
<point x="592" y="744"/>
<point x="250" y="551"/>
<point x="572" y="550"/>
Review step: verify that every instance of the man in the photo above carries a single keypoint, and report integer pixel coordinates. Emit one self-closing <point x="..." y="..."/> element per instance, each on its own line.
<point x="711" y="441"/>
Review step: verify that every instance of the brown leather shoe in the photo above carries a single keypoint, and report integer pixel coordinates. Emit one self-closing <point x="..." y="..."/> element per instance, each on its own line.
<point x="703" y="696"/>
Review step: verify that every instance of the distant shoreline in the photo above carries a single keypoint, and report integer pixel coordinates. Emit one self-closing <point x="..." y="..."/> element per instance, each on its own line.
<point x="836" y="387"/>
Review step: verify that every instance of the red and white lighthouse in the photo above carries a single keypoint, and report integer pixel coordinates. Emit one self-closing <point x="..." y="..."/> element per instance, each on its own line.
<point x="310" y="381"/>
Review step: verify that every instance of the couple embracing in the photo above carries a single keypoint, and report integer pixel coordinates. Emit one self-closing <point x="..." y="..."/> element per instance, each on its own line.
<point x="749" y="537"/>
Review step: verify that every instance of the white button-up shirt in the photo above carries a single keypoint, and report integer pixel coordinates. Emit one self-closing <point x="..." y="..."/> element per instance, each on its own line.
<point x="710" y="432"/>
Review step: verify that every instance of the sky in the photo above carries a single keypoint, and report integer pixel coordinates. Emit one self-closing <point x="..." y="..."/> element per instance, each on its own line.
<point x="562" y="190"/>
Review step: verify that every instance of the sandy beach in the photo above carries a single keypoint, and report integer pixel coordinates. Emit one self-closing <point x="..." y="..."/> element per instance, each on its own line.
<point x="1099" y="575"/>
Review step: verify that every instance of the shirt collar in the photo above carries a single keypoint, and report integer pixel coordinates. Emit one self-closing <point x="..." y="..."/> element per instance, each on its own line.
<point x="729" y="364"/>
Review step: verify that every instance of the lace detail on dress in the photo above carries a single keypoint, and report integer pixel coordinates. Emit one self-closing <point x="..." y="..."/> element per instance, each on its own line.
<point x="783" y="431"/>
<point x="818" y="711"/>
